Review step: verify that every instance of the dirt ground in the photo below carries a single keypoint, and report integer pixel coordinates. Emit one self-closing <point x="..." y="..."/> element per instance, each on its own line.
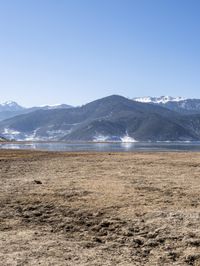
<point x="99" y="208"/>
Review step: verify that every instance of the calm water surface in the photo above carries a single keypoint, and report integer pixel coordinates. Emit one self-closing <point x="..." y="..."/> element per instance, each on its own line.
<point x="107" y="147"/>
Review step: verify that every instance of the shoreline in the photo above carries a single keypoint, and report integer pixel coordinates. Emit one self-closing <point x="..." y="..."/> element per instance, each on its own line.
<point x="56" y="146"/>
<point x="98" y="142"/>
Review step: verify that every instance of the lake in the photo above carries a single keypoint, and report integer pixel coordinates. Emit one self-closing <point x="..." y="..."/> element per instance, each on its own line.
<point x="104" y="147"/>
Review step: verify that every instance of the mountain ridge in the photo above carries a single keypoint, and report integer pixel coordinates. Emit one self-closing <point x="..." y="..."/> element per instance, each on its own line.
<point x="112" y="118"/>
<point x="178" y="104"/>
<point x="161" y="99"/>
<point x="10" y="109"/>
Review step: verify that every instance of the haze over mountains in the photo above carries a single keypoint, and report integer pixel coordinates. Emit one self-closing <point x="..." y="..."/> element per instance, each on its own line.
<point x="113" y="118"/>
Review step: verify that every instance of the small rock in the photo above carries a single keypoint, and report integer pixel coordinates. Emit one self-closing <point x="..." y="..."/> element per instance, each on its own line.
<point x="38" y="182"/>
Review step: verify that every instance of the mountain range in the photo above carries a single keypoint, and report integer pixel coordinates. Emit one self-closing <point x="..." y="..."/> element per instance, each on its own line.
<point x="10" y="109"/>
<point x="113" y="118"/>
<point x="178" y="104"/>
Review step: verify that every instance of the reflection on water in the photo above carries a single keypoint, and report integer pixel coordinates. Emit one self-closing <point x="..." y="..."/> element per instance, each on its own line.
<point x="109" y="147"/>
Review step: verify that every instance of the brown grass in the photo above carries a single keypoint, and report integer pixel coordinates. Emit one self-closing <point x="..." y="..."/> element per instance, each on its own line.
<point x="99" y="208"/>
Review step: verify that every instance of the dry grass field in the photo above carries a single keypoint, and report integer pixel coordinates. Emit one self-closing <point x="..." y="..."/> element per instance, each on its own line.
<point x="99" y="208"/>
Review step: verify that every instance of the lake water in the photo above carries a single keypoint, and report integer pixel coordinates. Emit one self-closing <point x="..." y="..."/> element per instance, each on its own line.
<point x="105" y="147"/>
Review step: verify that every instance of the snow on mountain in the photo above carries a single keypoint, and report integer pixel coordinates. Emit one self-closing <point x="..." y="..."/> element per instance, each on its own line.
<point x="10" y="106"/>
<point x="158" y="100"/>
<point x="13" y="106"/>
<point x="54" y="106"/>
<point x="178" y="104"/>
<point x="10" y="109"/>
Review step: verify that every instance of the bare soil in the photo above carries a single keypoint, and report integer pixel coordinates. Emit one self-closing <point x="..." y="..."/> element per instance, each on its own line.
<point x="99" y="208"/>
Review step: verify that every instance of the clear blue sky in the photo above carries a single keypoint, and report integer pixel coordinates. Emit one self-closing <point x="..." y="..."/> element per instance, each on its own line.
<point x="74" y="51"/>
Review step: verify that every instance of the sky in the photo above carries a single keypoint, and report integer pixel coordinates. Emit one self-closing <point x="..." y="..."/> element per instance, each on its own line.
<point x="75" y="51"/>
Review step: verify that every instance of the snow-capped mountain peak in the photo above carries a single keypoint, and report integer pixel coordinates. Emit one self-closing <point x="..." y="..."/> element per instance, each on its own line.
<point x="10" y="109"/>
<point x="10" y="106"/>
<point x="9" y="103"/>
<point x="159" y="100"/>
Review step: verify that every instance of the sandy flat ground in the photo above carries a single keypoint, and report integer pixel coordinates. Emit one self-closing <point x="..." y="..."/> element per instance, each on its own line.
<point x="99" y="208"/>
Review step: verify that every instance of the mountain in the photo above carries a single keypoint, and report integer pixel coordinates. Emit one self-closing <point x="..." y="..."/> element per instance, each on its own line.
<point x="158" y="100"/>
<point x="110" y="118"/>
<point x="10" y="109"/>
<point x="178" y="104"/>
<point x="187" y="106"/>
<point x="50" y="107"/>
<point x="10" y="106"/>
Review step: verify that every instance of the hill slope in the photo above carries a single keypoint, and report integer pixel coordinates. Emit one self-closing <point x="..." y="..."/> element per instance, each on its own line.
<point x="109" y="118"/>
